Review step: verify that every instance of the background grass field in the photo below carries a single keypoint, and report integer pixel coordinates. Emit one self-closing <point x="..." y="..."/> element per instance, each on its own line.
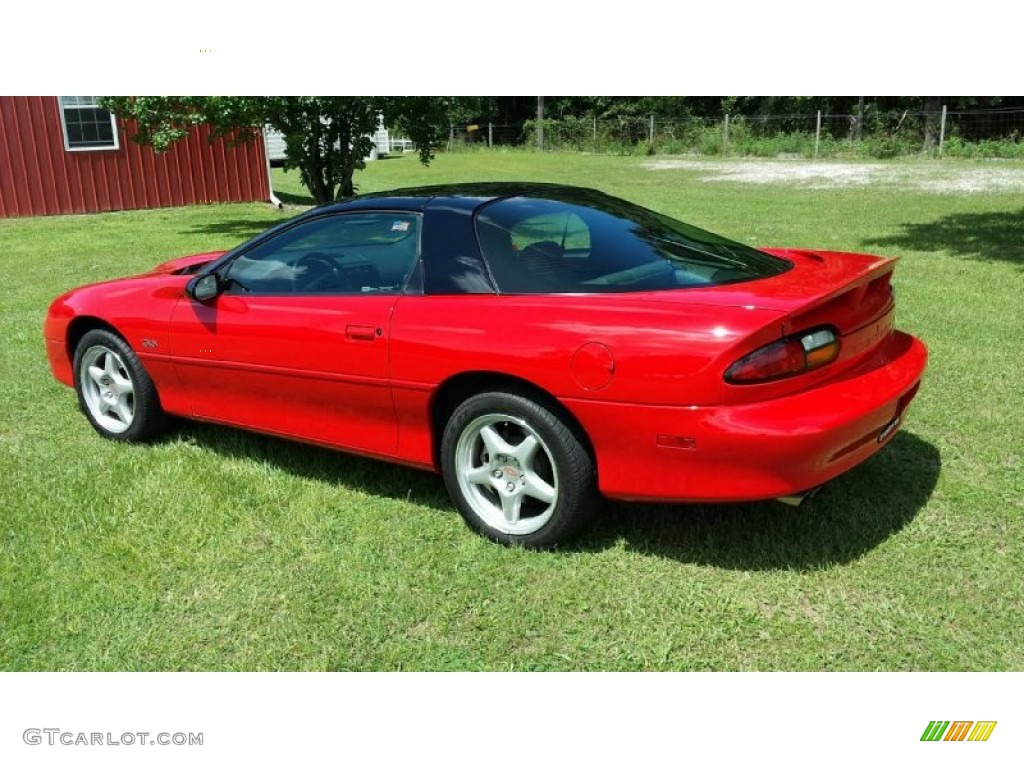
<point x="216" y="549"/>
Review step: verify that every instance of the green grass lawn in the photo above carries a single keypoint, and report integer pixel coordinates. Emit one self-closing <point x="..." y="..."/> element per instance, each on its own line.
<point x="216" y="549"/>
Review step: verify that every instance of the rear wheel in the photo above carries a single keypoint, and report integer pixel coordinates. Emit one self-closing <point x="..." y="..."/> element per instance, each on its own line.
<point x="114" y="390"/>
<point x="517" y="472"/>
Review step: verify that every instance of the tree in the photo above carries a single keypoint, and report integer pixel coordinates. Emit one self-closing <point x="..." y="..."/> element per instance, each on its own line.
<point x="327" y="137"/>
<point x="932" y="108"/>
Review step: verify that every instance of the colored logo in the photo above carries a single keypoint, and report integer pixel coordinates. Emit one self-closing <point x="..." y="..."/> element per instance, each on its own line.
<point x="958" y="730"/>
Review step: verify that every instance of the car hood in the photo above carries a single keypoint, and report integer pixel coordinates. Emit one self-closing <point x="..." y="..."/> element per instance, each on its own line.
<point x="184" y="265"/>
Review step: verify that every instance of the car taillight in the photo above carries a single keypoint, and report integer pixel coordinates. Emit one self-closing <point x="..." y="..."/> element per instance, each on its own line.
<point x="789" y="356"/>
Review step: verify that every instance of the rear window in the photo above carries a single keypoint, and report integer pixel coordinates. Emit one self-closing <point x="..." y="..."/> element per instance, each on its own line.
<point x="602" y="244"/>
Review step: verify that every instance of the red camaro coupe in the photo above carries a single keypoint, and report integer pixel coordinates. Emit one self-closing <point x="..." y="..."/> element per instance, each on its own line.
<point x="539" y="345"/>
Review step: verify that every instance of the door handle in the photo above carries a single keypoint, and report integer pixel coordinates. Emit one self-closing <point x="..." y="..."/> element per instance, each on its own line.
<point x="362" y="332"/>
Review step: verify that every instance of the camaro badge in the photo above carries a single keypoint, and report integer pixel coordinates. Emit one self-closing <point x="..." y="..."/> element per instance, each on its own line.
<point x="888" y="429"/>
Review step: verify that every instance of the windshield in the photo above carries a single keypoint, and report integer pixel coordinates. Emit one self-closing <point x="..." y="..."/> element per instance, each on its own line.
<point x="597" y="243"/>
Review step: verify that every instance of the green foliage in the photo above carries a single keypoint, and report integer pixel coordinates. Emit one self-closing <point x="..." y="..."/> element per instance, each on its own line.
<point x="884" y="136"/>
<point x="327" y="137"/>
<point x="714" y="107"/>
<point x="885" y="147"/>
<point x="618" y="136"/>
<point x="896" y="126"/>
<point x="1012" y="148"/>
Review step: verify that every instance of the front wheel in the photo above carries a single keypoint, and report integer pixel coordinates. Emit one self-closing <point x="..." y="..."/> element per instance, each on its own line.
<point x="517" y="472"/>
<point x="114" y="390"/>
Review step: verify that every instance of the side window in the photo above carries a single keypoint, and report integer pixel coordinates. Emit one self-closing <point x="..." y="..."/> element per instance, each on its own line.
<point x="567" y="230"/>
<point x="548" y="252"/>
<point x="341" y="254"/>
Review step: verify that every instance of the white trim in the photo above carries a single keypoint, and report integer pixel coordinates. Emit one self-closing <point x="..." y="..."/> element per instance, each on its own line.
<point x="64" y="128"/>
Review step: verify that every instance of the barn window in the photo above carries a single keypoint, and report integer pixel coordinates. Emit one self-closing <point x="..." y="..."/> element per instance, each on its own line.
<point x="86" y="126"/>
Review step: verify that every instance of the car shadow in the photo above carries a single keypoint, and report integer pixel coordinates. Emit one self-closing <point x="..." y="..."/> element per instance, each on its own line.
<point x="345" y="470"/>
<point x="850" y="516"/>
<point x="991" y="236"/>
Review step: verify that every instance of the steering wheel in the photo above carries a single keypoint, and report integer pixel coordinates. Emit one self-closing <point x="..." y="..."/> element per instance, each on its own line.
<point x="316" y="271"/>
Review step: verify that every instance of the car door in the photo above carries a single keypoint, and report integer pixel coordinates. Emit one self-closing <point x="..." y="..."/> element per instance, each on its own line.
<point x="297" y="342"/>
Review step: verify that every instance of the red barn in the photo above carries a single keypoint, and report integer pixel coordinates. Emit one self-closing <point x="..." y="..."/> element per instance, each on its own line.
<point x="63" y="154"/>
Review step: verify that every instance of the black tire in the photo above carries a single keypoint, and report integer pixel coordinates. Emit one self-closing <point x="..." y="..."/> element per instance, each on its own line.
<point x="115" y="393"/>
<point x="485" y="481"/>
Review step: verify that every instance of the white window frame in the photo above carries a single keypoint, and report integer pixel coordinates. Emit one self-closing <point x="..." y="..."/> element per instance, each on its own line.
<point x="61" y="106"/>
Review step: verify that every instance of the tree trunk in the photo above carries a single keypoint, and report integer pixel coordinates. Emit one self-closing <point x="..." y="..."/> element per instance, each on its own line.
<point x="321" y="190"/>
<point x="932" y="108"/>
<point x="315" y="170"/>
<point x="346" y="188"/>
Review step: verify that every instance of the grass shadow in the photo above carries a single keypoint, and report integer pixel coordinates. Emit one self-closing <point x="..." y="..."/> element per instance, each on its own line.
<point x="370" y="476"/>
<point x="990" y="236"/>
<point x="290" y="198"/>
<point x="850" y="516"/>
<point x="243" y="229"/>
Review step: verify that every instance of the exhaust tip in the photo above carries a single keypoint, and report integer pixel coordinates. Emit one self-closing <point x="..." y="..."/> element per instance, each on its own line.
<point x="796" y="499"/>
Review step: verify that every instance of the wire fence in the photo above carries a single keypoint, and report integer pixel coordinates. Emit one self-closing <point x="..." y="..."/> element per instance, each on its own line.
<point x="974" y="133"/>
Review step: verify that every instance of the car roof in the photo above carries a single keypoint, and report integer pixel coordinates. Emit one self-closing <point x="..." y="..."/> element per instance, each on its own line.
<point x="467" y="196"/>
<point x="464" y="197"/>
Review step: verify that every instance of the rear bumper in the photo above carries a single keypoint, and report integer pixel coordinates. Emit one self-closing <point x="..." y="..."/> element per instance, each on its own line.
<point x="754" y="451"/>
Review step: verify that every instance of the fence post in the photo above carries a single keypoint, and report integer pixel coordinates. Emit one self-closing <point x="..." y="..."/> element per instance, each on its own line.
<point x="650" y="132"/>
<point x="817" y="135"/>
<point x="540" y="123"/>
<point x="451" y="138"/>
<point x="490" y="135"/>
<point x="595" y="134"/>
<point x="942" y="130"/>
<point x="725" y="140"/>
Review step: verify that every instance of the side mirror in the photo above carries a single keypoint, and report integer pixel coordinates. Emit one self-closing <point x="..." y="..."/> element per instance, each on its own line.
<point x="204" y="288"/>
